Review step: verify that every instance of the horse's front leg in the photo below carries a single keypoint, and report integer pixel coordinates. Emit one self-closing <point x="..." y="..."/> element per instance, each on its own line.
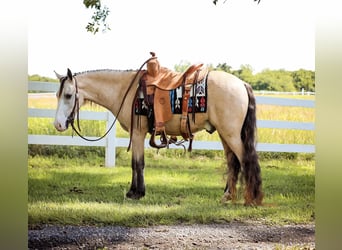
<point x="137" y="189"/>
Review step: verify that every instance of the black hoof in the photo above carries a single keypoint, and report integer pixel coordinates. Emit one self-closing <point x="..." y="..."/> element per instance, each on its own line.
<point x="135" y="195"/>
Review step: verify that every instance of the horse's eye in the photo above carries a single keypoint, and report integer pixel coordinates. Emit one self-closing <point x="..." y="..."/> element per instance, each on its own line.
<point x="67" y="96"/>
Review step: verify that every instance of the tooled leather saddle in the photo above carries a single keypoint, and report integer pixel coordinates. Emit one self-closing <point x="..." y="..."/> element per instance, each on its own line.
<point x="155" y="84"/>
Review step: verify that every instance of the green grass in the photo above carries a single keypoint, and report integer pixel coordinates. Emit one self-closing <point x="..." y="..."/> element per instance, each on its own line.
<point x="78" y="191"/>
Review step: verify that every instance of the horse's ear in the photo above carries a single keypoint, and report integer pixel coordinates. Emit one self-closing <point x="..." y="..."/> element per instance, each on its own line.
<point x="69" y="74"/>
<point x="58" y="75"/>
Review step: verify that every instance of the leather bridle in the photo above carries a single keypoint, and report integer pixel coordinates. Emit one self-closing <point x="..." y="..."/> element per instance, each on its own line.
<point x="76" y="112"/>
<point x="76" y="107"/>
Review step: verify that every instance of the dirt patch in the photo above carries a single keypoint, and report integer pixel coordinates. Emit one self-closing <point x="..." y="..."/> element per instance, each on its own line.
<point x="214" y="236"/>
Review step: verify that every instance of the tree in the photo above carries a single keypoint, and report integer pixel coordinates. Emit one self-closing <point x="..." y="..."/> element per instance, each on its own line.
<point x="98" y="19"/>
<point x="304" y="79"/>
<point x="224" y="67"/>
<point x="274" y="80"/>
<point x="245" y="73"/>
<point x="38" y="78"/>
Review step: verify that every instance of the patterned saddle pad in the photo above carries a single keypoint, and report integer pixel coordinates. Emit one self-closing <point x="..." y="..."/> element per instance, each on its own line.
<point x="199" y="103"/>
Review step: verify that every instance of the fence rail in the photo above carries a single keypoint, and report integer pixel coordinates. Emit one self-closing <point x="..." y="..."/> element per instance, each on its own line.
<point x="270" y="92"/>
<point x="110" y="142"/>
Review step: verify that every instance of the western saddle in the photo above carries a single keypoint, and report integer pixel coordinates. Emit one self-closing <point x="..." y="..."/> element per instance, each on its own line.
<point x="155" y="84"/>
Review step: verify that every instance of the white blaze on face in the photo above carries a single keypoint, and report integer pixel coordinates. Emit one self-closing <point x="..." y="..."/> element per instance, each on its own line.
<point x="66" y="103"/>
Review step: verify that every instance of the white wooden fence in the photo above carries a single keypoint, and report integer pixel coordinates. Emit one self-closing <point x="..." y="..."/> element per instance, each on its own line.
<point x="110" y="142"/>
<point x="270" y="92"/>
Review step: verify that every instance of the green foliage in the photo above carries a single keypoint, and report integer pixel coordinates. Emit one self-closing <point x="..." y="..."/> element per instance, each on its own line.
<point x="224" y="67"/>
<point x="38" y="78"/>
<point x="245" y="73"/>
<point x="273" y="80"/>
<point x="99" y="16"/>
<point x="91" y="3"/>
<point x="304" y="79"/>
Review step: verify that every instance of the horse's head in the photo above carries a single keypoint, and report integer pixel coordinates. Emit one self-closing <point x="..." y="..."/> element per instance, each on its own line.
<point x="68" y="101"/>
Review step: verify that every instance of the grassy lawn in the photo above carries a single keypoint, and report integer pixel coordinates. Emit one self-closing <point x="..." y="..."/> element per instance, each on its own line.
<point x="80" y="191"/>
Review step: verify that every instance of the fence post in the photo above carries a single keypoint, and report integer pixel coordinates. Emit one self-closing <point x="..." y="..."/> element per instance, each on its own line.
<point x="110" y="142"/>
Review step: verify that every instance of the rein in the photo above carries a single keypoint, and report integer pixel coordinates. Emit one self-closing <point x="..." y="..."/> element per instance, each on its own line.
<point x="76" y="108"/>
<point x="71" y="117"/>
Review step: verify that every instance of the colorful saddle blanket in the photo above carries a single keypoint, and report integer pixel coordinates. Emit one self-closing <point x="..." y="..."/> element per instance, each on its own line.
<point x="197" y="102"/>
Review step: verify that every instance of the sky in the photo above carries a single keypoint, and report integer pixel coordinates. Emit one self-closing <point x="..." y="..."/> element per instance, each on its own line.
<point x="274" y="34"/>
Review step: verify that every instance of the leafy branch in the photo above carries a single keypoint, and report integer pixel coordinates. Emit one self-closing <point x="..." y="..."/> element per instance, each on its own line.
<point x="99" y="16"/>
<point x="98" y="19"/>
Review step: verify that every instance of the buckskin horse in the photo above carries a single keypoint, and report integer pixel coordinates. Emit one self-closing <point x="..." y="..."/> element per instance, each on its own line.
<point x="231" y="111"/>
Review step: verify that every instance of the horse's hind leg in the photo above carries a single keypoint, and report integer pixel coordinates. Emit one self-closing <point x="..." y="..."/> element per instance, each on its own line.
<point x="233" y="174"/>
<point x="234" y="168"/>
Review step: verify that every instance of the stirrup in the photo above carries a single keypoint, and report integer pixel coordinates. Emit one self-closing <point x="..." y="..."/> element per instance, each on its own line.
<point x="163" y="139"/>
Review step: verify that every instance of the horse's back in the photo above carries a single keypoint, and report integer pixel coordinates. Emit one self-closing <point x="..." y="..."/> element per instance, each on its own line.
<point x="226" y="84"/>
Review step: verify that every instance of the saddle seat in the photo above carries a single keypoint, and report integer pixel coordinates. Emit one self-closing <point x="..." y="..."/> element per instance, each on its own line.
<point x="166" y="79"/>
<point x="156" y="82"/>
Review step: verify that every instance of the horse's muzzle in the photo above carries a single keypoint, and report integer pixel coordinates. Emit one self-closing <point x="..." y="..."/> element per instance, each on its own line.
<point x="60" y="127"/>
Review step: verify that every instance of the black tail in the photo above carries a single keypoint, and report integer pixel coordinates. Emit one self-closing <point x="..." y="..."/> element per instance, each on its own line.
<point x="253" y="194"/>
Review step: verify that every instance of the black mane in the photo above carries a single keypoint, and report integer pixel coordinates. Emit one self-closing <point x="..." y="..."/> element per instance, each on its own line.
<point x="103" y="70"/>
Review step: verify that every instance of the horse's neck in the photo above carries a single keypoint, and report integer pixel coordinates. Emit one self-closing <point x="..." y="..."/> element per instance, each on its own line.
<point x="105" y="88"/>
